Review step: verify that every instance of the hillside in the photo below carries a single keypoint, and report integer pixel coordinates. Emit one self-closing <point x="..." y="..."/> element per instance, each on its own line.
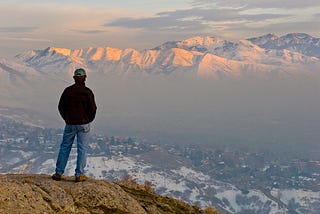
<point x="231" y="179"/>
<point x="40" y="194"/>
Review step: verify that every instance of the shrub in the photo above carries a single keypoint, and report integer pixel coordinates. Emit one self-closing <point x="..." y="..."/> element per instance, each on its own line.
<point x="210" y="210"/>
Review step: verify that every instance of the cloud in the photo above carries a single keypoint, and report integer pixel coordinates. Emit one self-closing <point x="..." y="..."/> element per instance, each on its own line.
<point x="17" y="29"/>
<point x="161" y="22"/>
<point x="285" y="4"/>
<point x="211" y="14"/>
<point x="291" y="27"/>
<point x="189" y="19"/>
<point x="232" y="19"/>
<point x="88" y="31"/>
<point x="25" y="39"/>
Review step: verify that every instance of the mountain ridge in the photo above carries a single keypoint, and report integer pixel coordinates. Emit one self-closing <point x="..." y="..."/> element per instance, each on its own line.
<point x="266" y="56"/>
<point x="301" y="42"/>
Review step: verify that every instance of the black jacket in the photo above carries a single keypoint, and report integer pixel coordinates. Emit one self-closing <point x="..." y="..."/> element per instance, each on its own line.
<point x="77" y="105"/>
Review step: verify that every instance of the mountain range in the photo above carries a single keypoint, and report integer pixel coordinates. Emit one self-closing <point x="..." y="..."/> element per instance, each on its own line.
<point x="266" y="56"/>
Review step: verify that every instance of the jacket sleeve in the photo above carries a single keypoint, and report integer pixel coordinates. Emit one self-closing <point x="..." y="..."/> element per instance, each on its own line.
<point x="62" y="105"/>
<point x="92" y="107"/>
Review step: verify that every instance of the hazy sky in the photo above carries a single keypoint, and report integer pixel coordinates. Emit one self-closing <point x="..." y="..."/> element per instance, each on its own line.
<point x="144" y="24"/>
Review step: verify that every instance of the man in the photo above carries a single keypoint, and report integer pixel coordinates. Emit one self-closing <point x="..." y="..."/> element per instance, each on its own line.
<point x="77" y="107"/>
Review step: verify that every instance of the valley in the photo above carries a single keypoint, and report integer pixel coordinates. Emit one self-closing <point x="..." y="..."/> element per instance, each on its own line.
<point x="229" y="179"/>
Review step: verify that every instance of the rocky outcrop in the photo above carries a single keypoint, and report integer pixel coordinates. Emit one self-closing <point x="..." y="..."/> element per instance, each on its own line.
<point x="41" y="194"/>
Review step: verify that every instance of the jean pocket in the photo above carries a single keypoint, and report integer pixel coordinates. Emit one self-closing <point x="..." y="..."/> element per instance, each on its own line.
<point x="85" y="128"/>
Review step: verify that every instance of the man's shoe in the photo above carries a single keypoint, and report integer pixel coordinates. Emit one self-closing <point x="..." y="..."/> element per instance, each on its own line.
<point x="81" y="178"/>
<point x="56" y="177"/>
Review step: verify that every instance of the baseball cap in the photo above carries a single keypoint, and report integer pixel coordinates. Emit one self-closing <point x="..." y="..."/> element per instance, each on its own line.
<point x="79" y="72"/>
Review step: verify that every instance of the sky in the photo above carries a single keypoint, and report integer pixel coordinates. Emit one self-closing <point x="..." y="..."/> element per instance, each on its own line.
<point x="144" y="24"/>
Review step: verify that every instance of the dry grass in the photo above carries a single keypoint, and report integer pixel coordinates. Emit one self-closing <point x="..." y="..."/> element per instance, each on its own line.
<point x="129" y="181"/>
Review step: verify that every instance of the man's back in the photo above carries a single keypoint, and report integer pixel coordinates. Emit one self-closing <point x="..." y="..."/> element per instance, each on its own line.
<point x="77" y="105"/>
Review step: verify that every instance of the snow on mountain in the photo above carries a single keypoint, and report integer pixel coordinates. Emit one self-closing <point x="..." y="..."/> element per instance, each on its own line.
<point x="268" y="40"/>
<point x="303" y="198"/>
<point x="14" y="77"/>
<point x="197" y="43"/>
<point x="208" y="56"/>
<point x="25" y="87"/>
<point x="244" y="51"/>
<point x="52" y="60"/>
<point x="297" y="42"/>
<point x="15" y="71"/>
<point x="217" y="67"/>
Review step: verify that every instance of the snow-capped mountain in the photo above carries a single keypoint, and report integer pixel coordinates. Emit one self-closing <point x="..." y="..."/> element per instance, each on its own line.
<point x="16" y="78"/>
<point x="297" y="42"/>
<point x="15" y="72"/>
<point x="265" y="56"/>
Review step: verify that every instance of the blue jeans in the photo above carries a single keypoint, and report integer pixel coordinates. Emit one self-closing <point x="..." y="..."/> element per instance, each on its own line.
<point x="82" y="133"/>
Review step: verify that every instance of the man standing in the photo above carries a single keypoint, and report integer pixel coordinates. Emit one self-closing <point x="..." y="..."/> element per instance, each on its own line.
<point x="77" y="107"/>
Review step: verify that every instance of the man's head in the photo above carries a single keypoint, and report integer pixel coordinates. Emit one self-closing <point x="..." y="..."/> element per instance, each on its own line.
<point x="79" y="75"/>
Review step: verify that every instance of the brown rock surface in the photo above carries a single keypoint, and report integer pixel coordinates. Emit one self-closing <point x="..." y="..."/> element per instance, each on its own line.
<point x="40" y="194"/>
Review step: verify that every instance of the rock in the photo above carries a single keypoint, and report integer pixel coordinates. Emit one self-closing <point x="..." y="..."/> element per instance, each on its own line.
<point x="40" y="194"/>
